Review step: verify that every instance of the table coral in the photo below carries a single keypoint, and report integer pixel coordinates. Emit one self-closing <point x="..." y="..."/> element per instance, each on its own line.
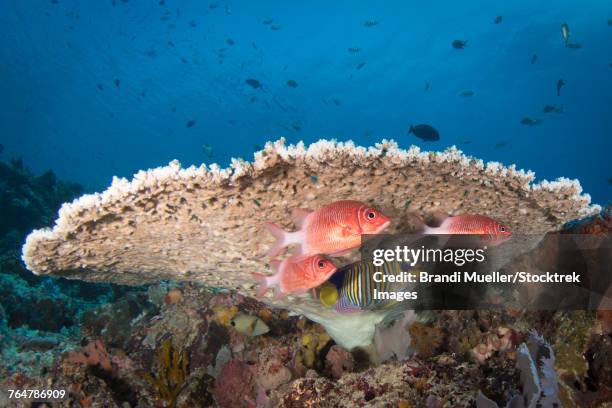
<point x="186" y="223"/>
<point x="206" y="223"/>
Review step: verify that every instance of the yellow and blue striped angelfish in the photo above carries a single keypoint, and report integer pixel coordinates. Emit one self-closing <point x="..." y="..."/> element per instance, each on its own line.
<point x="355" y="285"/>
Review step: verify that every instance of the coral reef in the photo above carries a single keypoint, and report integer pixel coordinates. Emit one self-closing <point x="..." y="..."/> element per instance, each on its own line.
<point x="171" y="374"/>
<point x="339" y="361"/>
<point x="188" y="353"/>
<point x="39" y="316"/>
<point x="28" y="201"/>
<point x="177" y="344"/>
<point x="235" y="384"/>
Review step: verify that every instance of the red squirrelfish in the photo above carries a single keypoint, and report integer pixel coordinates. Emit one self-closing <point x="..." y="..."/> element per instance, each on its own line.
<point x="332" y="229"/>
<point x="491" y="231"/>
<point x="296" y="275"/>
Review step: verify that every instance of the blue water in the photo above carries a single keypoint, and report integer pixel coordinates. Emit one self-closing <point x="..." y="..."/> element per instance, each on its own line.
<point x="61" y="109"/>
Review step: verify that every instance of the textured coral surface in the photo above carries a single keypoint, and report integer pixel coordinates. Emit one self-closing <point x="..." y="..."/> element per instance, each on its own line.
<point x="206" y="223"/>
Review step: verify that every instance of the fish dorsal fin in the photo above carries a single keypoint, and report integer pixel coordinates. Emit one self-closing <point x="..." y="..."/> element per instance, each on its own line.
<point x="275" y="264"/>
<point x="299" y="216"/>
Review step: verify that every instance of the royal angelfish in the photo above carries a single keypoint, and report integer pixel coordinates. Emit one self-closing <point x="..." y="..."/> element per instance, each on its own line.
<point x="356" y="286"/>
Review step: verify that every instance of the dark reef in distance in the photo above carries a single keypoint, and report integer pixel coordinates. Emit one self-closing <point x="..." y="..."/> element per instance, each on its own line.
<point x="28" y="201"/>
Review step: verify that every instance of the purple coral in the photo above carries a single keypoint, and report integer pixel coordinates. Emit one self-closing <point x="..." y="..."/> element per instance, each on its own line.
<point x="338" y="361"/>
<point x="235" y="384"/>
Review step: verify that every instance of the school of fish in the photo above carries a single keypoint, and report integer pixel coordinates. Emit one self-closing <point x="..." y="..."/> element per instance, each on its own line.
<point x="336" y="229"/>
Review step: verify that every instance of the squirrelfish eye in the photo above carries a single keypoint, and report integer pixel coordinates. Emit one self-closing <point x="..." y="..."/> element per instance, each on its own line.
<point x="321" y="264"/>
<point x="371" y="215"/>
<point x="502" y="229"/>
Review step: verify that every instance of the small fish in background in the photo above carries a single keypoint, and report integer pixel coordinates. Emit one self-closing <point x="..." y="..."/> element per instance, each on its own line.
<point x="465" y="142"/>
<point x="489" y="229"/>
<point x="360" y="65"/>
<point x="254" y="46"/>
<point x="267" y="22"/>
<point x="117" y="82"/>
<point x="332" y="229"/>
<point x="275" y="27"/>
<point x="100" y="87"/>
<point x="424" y="132"/>
<point x="370" y="23"/>
<point x="207" y="150"/>
<point x="573" y="46"/>
<point x="296" y="126"/>
<point x="565" y="32"/>
<point x="498" y="20"/>
<point x="368" y="133"/>
<point x="231" y="122"/>
<point x="253" y="99"/>
<point x="534" y="58"/>
<point x="353" y="49"/>
<point x="253" y="83"/>
<point x="193" y="24"/>
<point x="459" y="44"/>
<point x="427" y="86"/>
<point x="501" y="144"/>
<point x="527" y="121"/>
<point x="295" y="275"/>
<point x="292" y="84"/>
<point x="229" y="41"/>
<point x="609" y="178"/>
<point x="552" y="109"/>
<point x="560" y="84"/>
<point x="336" y="102"/>
<point x="249" y="325"/>
<point x="213" y="6"/>
<point x="190" y="124"/>
<point x="173" y="109"/>
<point x="467" y="93"/>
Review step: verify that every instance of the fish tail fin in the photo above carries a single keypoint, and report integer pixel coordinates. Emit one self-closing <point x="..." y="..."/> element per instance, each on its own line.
<point x="283" y="238"/>
<point x="264" y="283"/>
<point x="279" y="294"/>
